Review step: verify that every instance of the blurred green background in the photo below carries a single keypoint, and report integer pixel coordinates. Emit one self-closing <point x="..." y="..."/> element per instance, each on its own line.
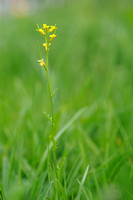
<point x="91" y="65"/>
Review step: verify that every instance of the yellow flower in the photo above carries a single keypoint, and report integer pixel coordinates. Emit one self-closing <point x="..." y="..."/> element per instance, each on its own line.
<point x="45" y="26"/>
<point x="41" y="62"/>
<point x="40" y="30"/>
<point x="52" y="28"/>
<point x="46" y="46"/>
<point x="52" y="37"/>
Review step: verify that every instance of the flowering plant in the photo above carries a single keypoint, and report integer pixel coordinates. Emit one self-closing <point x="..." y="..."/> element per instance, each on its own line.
<point x="48" y="39"/>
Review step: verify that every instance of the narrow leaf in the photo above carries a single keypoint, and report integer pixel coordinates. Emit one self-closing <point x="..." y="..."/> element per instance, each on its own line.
<point x="2" y="197"/>
<point x="53" y="93"/>
<point x="82" y="183"/>
<point x="82" y="111"/>
<point x="48" y="116"/>
<point x="45" y="192"/>
<point x="5" y="174"/>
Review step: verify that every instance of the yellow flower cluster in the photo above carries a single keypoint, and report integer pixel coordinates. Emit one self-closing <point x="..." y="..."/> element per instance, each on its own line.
<point x="46" y="31"/>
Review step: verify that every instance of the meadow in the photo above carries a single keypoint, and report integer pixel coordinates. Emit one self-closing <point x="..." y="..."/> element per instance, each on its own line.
<point x="91" y="65"/>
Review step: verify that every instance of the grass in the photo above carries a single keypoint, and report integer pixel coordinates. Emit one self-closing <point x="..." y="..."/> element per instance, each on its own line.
<point x="91" y="66"/>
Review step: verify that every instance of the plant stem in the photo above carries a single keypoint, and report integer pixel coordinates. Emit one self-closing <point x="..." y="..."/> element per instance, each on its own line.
<point x="52" y="112"/>
<point x="51" y="100"/>
<point x="49" y="89"/>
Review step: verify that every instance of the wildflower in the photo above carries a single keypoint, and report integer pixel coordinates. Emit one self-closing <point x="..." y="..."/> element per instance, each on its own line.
<point x="52" y="37"/>
<point x="46" y="46"/>
<point x="40" y="30"/>
<point x="52" y="28"/>
<point x="42" y="63"/>
<point x="45" y="26"/>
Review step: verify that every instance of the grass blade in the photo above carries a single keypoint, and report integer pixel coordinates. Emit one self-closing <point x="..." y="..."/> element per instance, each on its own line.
<point x="74" y="118"/>
<point x="82" y="183"/>
<point x="46" y="190"/>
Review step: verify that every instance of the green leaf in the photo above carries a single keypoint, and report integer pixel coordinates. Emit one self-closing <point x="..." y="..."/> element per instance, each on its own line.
<point x="45" y="192"/>
<point x="48" y="116"/>
<point x="82" y="183"/>
<point x="5" y="174"/>
<point x="36" y="187"/>
<point x="2" y="197"/>
<point x="82" y="111"/>
<point x="53" y="93"/>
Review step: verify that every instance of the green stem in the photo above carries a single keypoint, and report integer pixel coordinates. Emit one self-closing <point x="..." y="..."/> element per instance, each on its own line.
<point x="51" y="100"/>
<point x="49" y="89"/>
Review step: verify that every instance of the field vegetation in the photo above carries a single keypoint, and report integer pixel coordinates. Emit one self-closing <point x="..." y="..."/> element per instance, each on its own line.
<point x="91" y="65"/>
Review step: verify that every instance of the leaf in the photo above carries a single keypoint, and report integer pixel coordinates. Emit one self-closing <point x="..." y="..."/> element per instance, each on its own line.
<point x="82" y="111"/>
<point x="2" y="197"/>
<point x="36" y="187"/>
<point x="11" y="165"/>
<point x="48" y="116"/>
<point x="86" y="195"/>
<point x="45" y="192"/>
<point x="5" y="173"/>
<point x="82" y="183"/>
<point x="53" y="93"/>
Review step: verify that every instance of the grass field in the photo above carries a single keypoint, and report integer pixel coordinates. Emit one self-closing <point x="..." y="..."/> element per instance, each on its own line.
<point x="91" y="65"/>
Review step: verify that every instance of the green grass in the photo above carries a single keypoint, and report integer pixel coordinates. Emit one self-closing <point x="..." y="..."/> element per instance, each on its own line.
<point x="91" y="66"/>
